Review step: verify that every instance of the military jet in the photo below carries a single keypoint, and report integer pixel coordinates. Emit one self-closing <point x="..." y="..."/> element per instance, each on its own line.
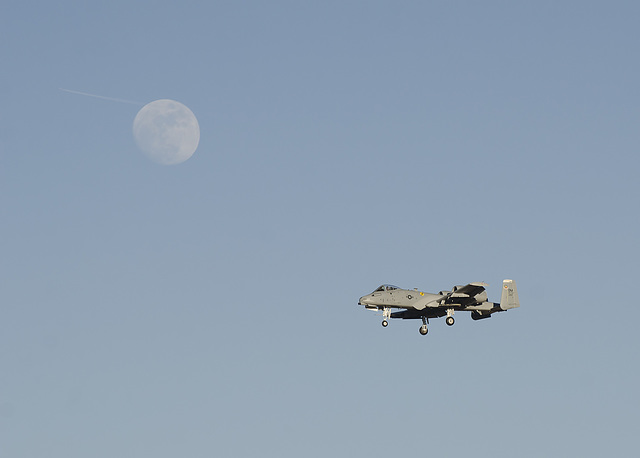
<point x="420" y="305"/>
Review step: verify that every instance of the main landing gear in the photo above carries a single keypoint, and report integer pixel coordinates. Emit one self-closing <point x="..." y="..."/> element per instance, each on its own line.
<point x="450" y="319"/>
<point x="423" y="328"/>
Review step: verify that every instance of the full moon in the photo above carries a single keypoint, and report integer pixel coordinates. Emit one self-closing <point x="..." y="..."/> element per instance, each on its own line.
<point x="166" y="131"/>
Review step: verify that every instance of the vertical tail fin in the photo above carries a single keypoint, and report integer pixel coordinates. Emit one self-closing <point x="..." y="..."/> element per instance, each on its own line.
<point x="509" y="299"/>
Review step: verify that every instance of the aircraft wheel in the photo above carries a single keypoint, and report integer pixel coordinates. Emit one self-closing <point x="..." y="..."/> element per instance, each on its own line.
<point x="450" y="321"/>
<point x="424" y="329"/>
<point x="385" y="323"/>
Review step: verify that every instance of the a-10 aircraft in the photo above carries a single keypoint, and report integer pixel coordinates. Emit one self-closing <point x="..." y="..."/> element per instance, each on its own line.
<point x="420" y="305"/>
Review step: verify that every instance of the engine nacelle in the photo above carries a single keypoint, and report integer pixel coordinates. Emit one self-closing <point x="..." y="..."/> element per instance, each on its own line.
<point x="482" y="297"/>
<point x="444" y="293"/>
<point x="479" y="316"/>
<point x="456" y="288"/>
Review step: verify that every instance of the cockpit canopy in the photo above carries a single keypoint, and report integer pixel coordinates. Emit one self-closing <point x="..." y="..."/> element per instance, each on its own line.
<point x="386" y="288"/>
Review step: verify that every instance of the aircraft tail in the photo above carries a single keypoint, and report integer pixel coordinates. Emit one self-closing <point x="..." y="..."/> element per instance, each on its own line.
<point x="509" y="299"/>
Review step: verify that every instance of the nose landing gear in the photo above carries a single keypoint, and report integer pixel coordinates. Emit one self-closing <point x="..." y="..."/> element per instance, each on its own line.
<point x="386" y="313"/>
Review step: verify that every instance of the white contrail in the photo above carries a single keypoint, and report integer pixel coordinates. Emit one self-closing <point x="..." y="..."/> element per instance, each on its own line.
<point x="101" y="97"/>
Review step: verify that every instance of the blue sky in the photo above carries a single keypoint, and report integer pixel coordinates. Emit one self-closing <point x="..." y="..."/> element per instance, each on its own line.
<point x="210" y="308"/>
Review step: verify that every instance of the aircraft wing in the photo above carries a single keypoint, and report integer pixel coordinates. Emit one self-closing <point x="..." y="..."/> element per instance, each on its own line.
<point x="472" y="289"/>
<point x="463" y="295"/>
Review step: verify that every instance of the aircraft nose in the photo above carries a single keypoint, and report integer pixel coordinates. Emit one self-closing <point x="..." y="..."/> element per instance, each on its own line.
<point x="363" y="300"/>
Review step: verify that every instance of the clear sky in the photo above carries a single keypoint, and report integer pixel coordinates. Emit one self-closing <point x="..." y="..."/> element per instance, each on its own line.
<point x="210" y="308"/>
